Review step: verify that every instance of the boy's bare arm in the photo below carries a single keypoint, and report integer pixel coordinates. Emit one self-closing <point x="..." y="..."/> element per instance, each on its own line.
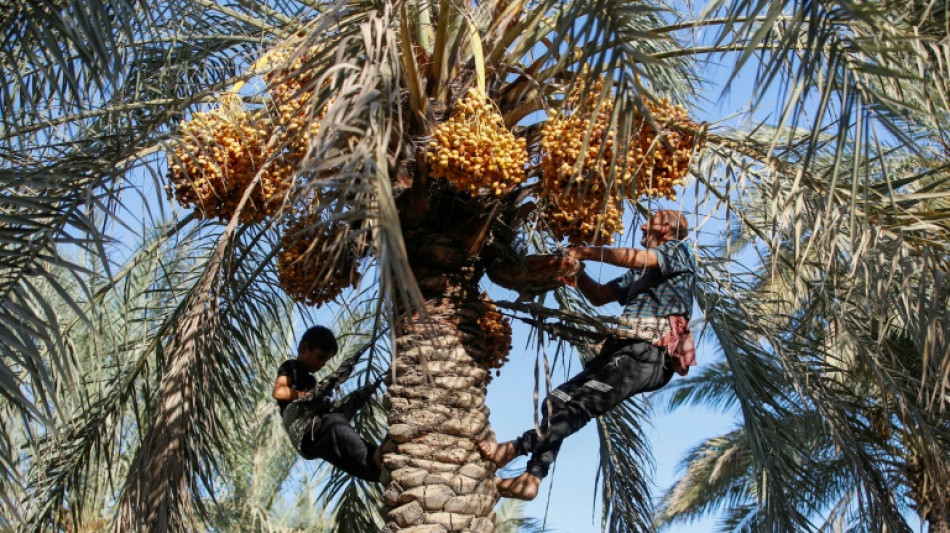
<point x="283" y="391"/>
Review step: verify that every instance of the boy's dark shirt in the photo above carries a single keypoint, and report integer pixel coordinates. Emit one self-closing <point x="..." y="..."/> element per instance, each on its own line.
<point x="319" y="402"/>
<point x="300" y="379"/>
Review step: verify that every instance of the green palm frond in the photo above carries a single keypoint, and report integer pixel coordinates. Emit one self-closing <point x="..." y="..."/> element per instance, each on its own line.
<point x="261" y="463"/>
<point x="66" y="157"/>
<point x="208" y="351"/>
<point x="716" y="474"/>
<point x="109" y="353"/>
<point x="511" y="519"/>
<point x="124" y="400"/>
<point x="760" y="402"/>
<point x="625" y="468"/>
<point x="70" y="48"/>
<point x="857" y="64"/>
<point x="710" y="384"/>
<point x="808" y="311"/>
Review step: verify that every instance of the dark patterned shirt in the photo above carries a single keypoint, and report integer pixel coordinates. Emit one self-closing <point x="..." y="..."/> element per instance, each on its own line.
<point x="662" y="291"/>
<point x="300" y="379"/>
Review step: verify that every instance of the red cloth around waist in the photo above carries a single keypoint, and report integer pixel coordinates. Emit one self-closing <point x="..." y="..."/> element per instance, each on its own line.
<point x="679" y="343"/>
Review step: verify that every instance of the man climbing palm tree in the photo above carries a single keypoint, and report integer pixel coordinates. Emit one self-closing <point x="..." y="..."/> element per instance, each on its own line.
<point x="316" y="428"/>
<point x="657" y="295"/>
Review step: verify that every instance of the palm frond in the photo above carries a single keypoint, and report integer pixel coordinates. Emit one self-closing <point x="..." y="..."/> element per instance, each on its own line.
<point x="759" y="401"/>
<point x="625" y="468"/>
<point x="111" y="347"/>
<point x="511" y="519"/>
<point x="65" y="158"/>
<point x="716" y="474"/>
<point x="810" y="311"/>
<point x="710" y="385"/>
<point x="209" y="349"/>
<point x="362" y="129"/>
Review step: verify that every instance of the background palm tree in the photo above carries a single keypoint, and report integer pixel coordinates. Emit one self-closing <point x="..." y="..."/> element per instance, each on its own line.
<point x="859" y="375"/>
<point x="91" y="94"/>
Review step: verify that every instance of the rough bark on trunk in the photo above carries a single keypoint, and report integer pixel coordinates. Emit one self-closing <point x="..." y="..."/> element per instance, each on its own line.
<point x="938" y="525"/>
<point x="437" y="480"/>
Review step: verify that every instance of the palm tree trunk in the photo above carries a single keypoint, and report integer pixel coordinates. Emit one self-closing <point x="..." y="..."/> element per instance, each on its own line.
<point x="938" y="516"/>
<point x="438" y="482"/>
<point x="938" y="524"/>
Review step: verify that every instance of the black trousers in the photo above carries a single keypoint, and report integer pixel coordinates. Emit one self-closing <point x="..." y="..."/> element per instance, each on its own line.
<point x="334" y="440"/>
<point x="623" y="368"/>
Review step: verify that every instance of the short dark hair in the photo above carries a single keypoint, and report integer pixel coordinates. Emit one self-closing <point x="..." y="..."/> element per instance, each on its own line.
<point x="319" y="337"/>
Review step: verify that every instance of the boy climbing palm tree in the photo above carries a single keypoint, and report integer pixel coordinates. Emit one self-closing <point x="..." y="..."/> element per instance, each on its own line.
<point x="317" y="429"/>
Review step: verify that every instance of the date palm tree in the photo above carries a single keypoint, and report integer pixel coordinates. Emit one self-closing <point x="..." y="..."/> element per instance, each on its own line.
<point x="93" y="96"/>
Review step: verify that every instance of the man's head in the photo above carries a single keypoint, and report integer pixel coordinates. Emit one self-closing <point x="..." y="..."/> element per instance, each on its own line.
<point x="664" y="225"/>
<point x="316" y="347"/>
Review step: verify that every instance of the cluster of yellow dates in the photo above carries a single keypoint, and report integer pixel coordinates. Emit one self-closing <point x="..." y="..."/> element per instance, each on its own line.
<point x="473" y="149"/>
<point x="220" y="153"/>
<point x="496" y="335"/>
<point x="585" y="176"/>
<point x="316" y="263"/>
<point x="292" y="96"/>
<point x="584" y="204"/>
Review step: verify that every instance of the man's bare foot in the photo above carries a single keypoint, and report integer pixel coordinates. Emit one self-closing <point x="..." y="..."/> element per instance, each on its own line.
<point x="523" y="487"/>
<point x="500" y="453"/>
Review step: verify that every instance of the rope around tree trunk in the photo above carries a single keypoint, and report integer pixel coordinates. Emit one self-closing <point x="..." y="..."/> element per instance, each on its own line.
<point x="572" y="327"/>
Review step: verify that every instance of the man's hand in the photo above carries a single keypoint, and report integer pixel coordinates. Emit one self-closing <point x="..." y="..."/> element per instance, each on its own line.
<point x="571" y="280"/>
<point x="595" y="293"/>
<point x="577" y="253"/>
<point x="367" y="391"/>
<point x="568" y="281"/>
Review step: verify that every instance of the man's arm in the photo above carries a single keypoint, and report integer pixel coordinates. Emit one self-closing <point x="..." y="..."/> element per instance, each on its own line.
<point x="595" y="293"/>
<point x="324" y="387"/>
<point x="621" y="257"/>
<point x="283" y="391"/>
